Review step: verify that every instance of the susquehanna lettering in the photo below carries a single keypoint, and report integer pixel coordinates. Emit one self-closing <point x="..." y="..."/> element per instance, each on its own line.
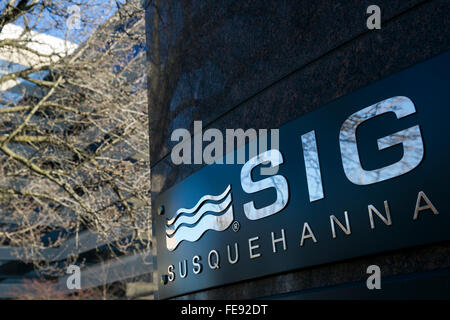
<point x="340" y="225"/>
<point x="413" y="150"/>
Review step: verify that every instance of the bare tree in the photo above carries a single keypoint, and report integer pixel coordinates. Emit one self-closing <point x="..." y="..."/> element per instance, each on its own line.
<point x="73" y="128"/>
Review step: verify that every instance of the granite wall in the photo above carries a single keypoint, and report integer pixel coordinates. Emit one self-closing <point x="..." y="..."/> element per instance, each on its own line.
<point x="258" y="64"/>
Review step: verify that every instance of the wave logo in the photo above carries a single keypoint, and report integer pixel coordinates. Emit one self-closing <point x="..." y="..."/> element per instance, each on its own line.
<point x="210" y="213"/>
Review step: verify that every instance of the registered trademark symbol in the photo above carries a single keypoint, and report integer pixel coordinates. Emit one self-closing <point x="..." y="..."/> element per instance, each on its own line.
<point x="235" y="226"/>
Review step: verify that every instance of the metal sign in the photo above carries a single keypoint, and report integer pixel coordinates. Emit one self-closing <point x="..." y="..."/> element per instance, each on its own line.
<point x="364" y="174"/>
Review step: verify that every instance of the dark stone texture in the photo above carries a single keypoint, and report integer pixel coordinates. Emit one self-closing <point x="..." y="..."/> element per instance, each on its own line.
<point x="412" y="37"/>
<point x="215" y="55"/>
<point x="259" y="64"/>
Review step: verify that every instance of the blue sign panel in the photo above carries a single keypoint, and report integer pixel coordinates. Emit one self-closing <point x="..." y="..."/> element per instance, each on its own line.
<point x="363" y="174"/>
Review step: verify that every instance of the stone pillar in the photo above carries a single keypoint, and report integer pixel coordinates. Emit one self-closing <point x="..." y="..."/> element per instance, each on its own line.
<point x="258" y="64"/>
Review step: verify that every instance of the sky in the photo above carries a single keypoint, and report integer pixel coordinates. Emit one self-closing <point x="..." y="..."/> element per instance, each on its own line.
<point x="75" y="20"/>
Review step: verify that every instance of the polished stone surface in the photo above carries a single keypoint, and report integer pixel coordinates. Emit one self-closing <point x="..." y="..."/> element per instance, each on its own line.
<point x="410" y="38"/>
<point x="216" y="55"/>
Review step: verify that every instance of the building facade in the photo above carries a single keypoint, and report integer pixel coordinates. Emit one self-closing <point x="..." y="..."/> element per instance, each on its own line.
<point x="246" y="64"/>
